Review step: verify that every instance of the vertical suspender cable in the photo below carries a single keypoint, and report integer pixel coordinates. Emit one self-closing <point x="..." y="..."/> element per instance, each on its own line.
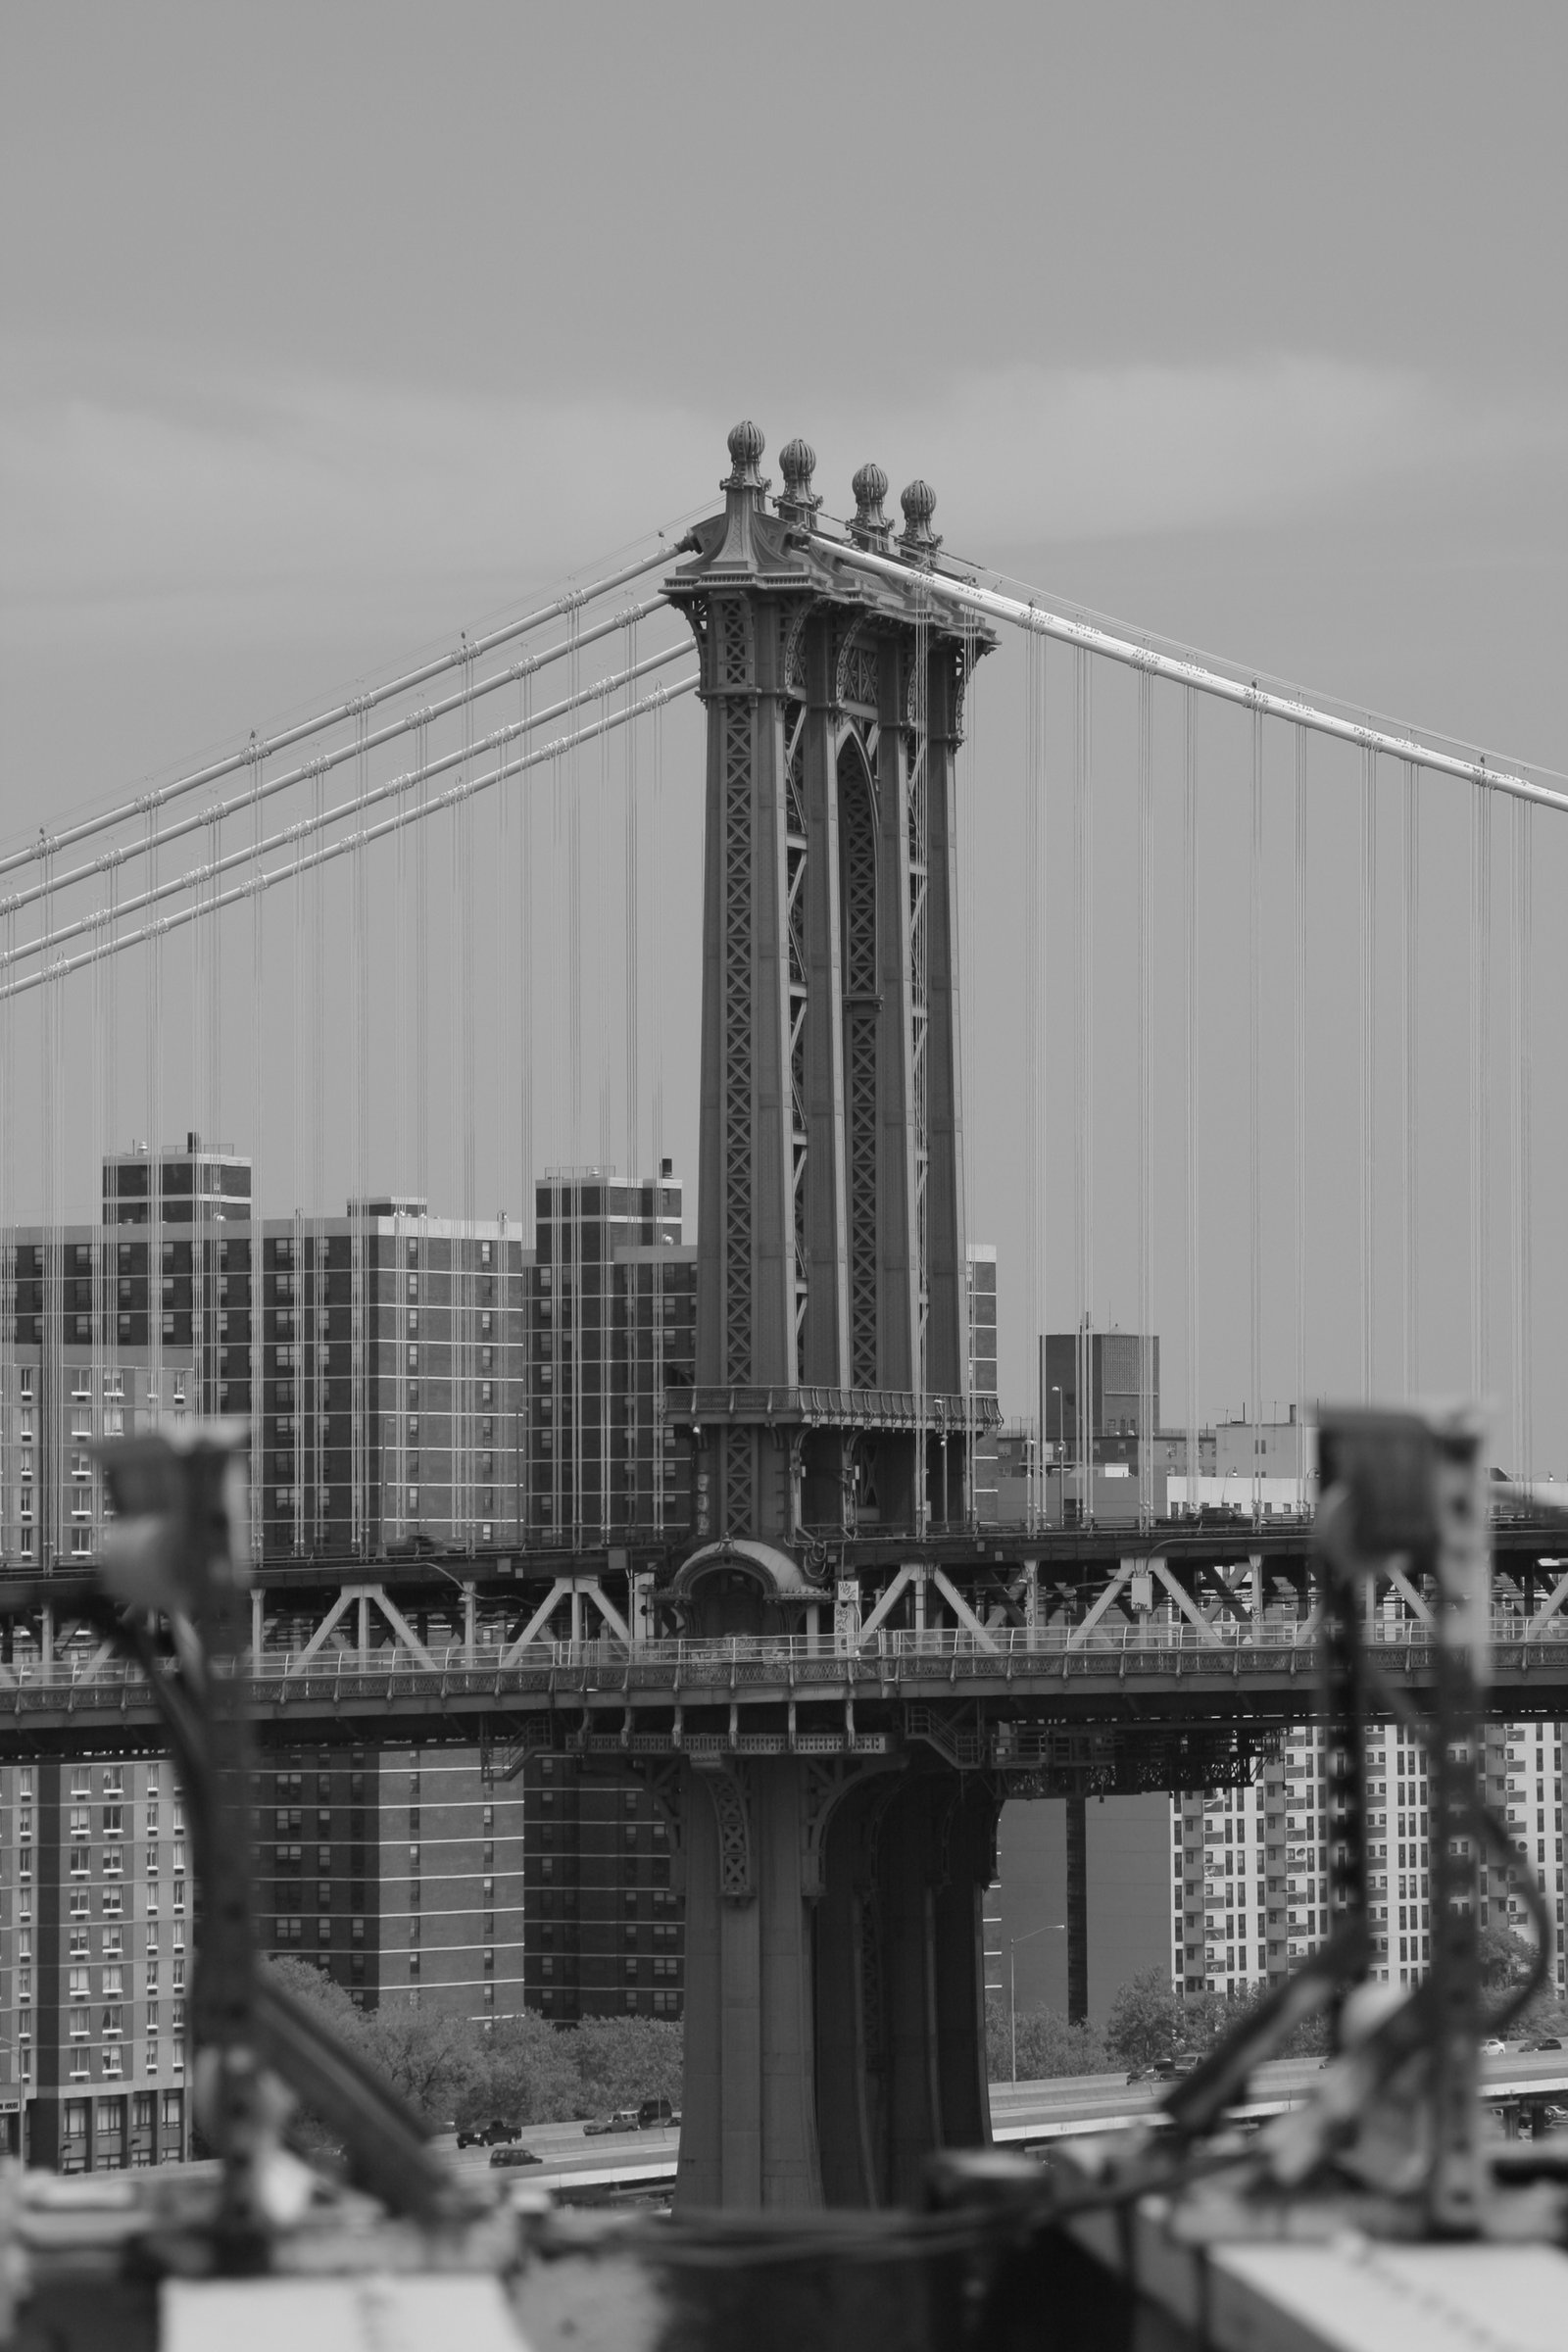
<point x="919" y="840"/>
<point x="1146" y="1100"/>
<point x="9" y="1220"/>
<point x="1255" y="1113"/>
<point x="51" y="1372"/>
<point x="633" y="1004"/>
<point x="319" y="1304"/>
<point x="1521" y="1026"/>
<point x="465" y="1280"/>
<point x="657" y="1139"/>
<point x="1034" y="712"/>
<point x="1480" y="1041"/>
<point x="1083" y="858"/>
<point x="360" y="1279"/>
<point x="1190" y="881"/>
<point x="605" y="1311"/>
<point x="1368" y="1056"/>
<point x="1299" y="1100"/>
<point x="526" y="1046"/>
<point x="575" y="951"/>
<point x="1410" y="1073"/>
<point x="155" y="1117"/>
<point x="258" y="1132"/>
<point x="299" y="916"/>
<point x="417" y="1348"/>
<point x="103" y="1058"/>
<point x="964" y="805"/>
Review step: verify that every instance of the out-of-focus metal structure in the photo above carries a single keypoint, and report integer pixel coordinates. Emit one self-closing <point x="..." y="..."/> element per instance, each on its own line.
<point x="1374" y="2206"/>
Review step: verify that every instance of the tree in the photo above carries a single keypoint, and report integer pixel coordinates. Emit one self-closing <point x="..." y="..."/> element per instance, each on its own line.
<point x="315" y="1987"/>
<point x="1505" y="1958"/>
<point x="1147" y="2020"/>
<point x="428" y="2058"/>
<point x="1049" y="2046"/>
<point x="525" y="2071"/>
<point x="624" y="2060"/>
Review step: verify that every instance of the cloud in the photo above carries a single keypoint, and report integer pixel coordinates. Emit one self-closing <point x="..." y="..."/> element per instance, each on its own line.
<point x="275" y="506"/>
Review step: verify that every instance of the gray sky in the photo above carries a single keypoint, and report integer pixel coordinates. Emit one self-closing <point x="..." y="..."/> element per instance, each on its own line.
<point x="330" y="330"/>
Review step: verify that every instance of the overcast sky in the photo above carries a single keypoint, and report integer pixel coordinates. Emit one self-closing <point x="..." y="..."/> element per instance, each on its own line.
<point x="329" y="326"/>
<point x="333" y="329"/>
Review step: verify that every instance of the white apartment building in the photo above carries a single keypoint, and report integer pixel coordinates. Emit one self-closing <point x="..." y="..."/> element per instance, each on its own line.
<point x="1250" y="1868"/>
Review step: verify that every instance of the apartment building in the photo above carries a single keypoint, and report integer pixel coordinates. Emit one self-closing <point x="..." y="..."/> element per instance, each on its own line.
<point x="613" y="1298"/>
<point x="1250" y="1868"/>
<point x="95" y="1929"/>
<point x="449" y="1864"/>
<point x="604" y="1922"/>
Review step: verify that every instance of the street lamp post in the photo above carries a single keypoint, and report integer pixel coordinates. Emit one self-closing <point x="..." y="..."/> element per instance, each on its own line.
<point x="1055" y="1926"/>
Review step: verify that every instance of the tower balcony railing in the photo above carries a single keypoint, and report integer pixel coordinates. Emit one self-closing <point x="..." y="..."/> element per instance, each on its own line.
<point x="854" y="1408"/>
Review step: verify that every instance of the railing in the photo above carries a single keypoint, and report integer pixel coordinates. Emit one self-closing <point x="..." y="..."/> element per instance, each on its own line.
<point x="738" y="1658"/>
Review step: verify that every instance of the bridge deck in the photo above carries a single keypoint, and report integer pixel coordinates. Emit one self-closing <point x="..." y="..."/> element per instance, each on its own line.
<point x="761" y="1696"/>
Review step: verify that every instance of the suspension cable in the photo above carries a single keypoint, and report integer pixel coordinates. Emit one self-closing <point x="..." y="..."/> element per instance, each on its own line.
<point x="569" y="603"/>
<point x="1182" y="670"/>
<point x="366" y="797"/>
<point x="344" y="844"/>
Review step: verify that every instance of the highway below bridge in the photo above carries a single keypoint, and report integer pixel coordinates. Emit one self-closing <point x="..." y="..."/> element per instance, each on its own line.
<point x="624" y="2167"/>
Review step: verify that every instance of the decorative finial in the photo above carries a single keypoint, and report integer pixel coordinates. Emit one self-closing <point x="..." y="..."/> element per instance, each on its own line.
<point x="798" y="463"/>
<point x="870" y="524"/>
<point x="919" y="541"/>
<point x="746" y="446"/>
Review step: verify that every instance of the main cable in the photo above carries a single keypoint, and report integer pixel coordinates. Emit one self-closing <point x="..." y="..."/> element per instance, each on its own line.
<point x="569" y="604"/>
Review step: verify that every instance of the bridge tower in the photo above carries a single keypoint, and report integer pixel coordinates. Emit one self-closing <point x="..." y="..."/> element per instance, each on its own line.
<point x="834" y="2008"/>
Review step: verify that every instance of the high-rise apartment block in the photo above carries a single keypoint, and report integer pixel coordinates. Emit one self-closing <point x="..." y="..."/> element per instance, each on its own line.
<point x="95" y="1941"/>
<point x="1249" y="1879"/>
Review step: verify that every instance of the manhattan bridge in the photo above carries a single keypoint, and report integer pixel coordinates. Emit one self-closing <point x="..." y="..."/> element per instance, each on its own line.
<point x="835" y="1678"/>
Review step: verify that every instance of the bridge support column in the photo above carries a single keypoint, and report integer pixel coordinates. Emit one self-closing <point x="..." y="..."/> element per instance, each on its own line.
<point x="835" y="2025"/>
<point x="748" y="2130"/>
<point x="1077" y="1911"/>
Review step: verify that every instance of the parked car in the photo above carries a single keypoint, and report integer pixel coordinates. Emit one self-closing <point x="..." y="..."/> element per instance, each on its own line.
<point x="624" y="2119"/>
<point x="510" y="2156"/>
<point x="488" y="2135"/>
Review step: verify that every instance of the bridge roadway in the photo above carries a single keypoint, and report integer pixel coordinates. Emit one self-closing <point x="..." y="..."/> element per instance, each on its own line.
<point x="979" y="1699"/>
<point x="1023" y="2114"/>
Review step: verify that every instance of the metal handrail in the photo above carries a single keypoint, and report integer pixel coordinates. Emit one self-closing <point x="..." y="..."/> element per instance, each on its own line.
<point x="747" y="1659"/>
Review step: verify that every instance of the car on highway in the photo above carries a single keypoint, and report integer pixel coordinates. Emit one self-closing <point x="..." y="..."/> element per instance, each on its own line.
<point x="1491" y="2048"/>
<point x="488" y="2135"/>
<point x="624" y="2119"/>
<point x="1547" y="2042"/>
<point x="510" y="2156"/>
<point x="654" y="2114"/>
<point x="1182" y="2063"/>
